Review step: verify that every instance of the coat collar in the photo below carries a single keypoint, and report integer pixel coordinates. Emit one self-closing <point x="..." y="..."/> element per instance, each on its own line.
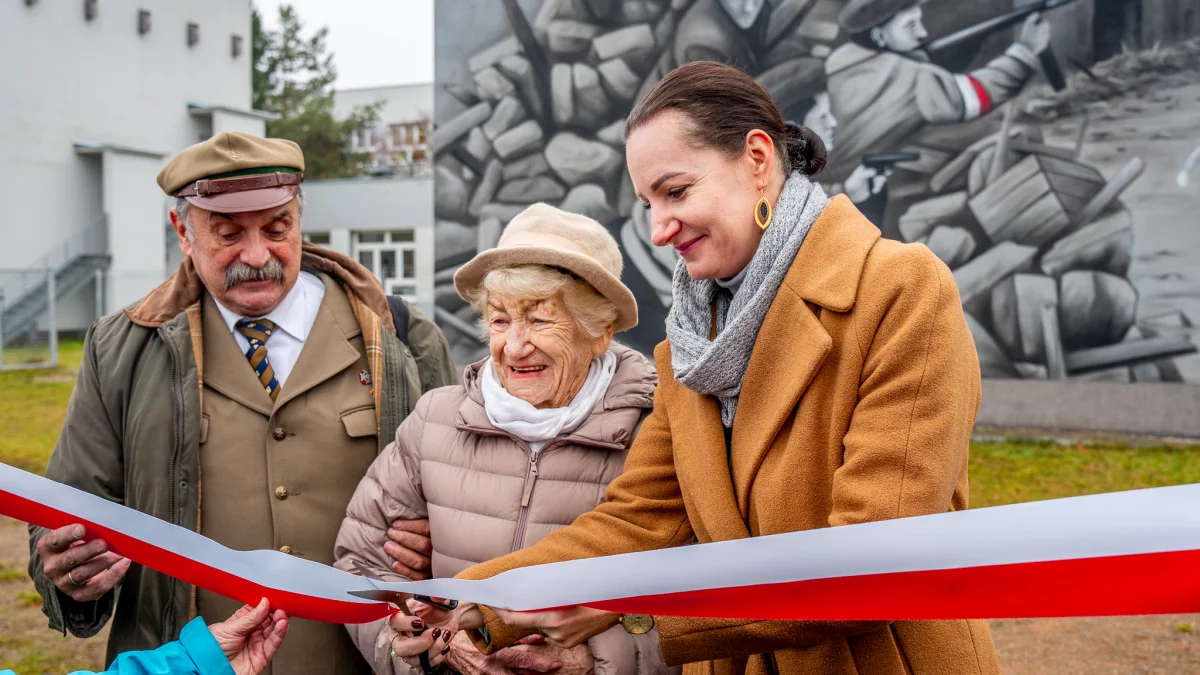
<point x="326" y="352"/>
<point x="791" y="347"/>
<point x="830" y="263"/>
<point x="184" y="288"/>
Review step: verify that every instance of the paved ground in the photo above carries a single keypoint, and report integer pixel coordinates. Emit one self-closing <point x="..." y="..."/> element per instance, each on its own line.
<point x="1141" y="645"/>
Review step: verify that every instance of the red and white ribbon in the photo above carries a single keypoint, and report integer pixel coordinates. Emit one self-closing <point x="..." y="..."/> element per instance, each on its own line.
<point x="1134" y="552"/>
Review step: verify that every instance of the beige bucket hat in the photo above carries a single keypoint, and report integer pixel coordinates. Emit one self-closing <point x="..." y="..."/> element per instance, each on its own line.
<point x="545" y="235"/>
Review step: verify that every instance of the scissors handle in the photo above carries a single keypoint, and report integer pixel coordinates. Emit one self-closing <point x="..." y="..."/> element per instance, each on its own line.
<point x="448" y="605"/>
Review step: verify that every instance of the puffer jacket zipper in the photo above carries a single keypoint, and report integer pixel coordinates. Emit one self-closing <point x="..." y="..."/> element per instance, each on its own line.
<point x="531" y="470"/>
<point x="176" y="404"/>
<point x="531" y="475"/>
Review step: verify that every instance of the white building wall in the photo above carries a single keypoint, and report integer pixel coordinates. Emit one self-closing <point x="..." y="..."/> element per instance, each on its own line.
<point x="133" y="203"/>
<point x="225" y="120"/>
<point x="341" y="208"/>
<point x="69" y="79"/>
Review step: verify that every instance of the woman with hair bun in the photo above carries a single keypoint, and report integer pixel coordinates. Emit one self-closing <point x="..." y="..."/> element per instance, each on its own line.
<point x="814" y="375"/>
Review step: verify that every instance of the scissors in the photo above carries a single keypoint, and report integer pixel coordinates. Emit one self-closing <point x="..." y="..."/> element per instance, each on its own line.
<point x="392" y="597"/>
<point x="397" y="600"/>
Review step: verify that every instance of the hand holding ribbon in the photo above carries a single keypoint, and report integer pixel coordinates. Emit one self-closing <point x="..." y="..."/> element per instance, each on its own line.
<point x="84" y="570"/>
<point x="250" y="638"/>
<point x="566" y="627"/>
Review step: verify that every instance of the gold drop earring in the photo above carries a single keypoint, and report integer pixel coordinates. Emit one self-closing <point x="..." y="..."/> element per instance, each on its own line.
<point x="762" y="212"/>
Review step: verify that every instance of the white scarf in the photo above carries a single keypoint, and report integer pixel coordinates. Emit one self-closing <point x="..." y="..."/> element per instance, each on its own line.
<point x="538" y="426"/>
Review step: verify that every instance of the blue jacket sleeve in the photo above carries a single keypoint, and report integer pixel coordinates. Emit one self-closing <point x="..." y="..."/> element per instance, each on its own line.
<point x="195" y="653"/>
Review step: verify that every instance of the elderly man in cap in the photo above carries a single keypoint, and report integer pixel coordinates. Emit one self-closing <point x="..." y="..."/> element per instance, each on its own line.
<point x="882" y="87"/>
<point x="259" y="375"/>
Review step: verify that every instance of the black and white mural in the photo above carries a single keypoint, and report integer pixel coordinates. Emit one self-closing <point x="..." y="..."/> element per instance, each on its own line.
<point x="1049" y="153"/>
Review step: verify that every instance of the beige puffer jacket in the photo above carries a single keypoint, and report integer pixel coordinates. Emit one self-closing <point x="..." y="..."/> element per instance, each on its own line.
<point x="485" y="494"/>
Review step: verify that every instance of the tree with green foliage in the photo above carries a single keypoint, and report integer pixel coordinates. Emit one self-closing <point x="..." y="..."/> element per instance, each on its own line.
<point x="293" y="77"/>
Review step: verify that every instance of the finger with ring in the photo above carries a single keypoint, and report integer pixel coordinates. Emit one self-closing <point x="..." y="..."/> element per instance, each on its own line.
<point x="71" y="577"/>
<point x="392" y="646"/>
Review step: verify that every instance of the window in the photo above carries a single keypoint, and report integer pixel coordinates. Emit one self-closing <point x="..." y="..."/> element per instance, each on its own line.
<point x="387" y="264"/>
<point x="235" y="46"/>
<point x="319" y="238"/>
<point x="193" y="34"/>
<point x="410" y="264"/>
<point x="143" y="21"/>
<point x="392" y="257"/>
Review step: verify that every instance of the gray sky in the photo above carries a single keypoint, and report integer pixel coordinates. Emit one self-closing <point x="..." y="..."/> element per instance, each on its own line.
<point x="374" y="42"/>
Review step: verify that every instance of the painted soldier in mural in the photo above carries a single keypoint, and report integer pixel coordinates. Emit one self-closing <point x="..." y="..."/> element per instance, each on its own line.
<point x="883" y="87"/>
<point x="866" y="185"/>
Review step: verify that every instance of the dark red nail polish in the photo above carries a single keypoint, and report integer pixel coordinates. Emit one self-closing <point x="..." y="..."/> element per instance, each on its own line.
<point x="437" y="632"/>
<point x="446" y="650"/>
<point x="418" y="624"/>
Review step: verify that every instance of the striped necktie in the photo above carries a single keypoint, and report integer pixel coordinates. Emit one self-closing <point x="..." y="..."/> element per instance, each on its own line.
<point x="258" y="331"/>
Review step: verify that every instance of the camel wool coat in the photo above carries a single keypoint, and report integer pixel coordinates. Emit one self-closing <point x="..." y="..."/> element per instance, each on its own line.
<point x="857" y="405"/>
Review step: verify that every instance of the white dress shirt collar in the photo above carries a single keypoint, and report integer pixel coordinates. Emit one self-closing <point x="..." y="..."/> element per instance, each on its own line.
<point x="293" y="319"/>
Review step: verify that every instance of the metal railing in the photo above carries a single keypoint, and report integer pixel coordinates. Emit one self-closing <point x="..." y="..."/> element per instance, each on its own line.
<point x="29" y="295"/>
<point x="30" y="348"/>
<point x="92" y="239"/>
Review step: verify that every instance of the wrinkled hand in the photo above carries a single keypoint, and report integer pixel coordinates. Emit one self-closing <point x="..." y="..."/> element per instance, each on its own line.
<point x="85" y="571"/>
<point x="465" y="659"/>
<point x="410" y="548"/>
<point x="250" y="638"/>
<point x="530" y="657"/>
<point x="562" y="627"/>
<point x="409" y="642"/>
<point x="1035" y="33"/>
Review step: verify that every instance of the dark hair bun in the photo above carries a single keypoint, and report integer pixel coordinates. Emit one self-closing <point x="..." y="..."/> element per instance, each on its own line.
<point x="805" y="150"/>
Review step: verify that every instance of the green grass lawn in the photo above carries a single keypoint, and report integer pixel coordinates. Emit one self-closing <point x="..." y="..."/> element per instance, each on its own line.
<point x="1013" y="472"/>
<point x="32" y="406"/>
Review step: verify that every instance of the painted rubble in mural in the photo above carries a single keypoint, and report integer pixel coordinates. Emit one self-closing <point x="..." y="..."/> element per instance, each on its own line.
<point x="1044" y="152"/>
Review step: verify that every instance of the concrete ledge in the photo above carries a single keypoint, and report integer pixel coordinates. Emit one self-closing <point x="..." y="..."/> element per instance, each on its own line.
<point x="1145" y="408"/>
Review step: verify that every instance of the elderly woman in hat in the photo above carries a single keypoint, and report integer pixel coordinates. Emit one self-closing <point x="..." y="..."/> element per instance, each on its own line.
<point x="528" y="442"/>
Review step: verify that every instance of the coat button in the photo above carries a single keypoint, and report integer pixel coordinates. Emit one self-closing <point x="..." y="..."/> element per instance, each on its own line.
<point x="285" y="549"/>
<point x="278" y="433"/>
<point x="281" y="492"/>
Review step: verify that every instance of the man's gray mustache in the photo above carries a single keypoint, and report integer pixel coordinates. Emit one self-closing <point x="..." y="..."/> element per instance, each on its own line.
<point x="239" y="272"/>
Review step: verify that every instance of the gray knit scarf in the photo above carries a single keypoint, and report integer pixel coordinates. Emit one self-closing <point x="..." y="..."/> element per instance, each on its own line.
<point x="716" y="367"/>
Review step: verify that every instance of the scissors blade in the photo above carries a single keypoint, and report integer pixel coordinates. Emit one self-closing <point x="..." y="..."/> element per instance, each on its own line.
<point x="368" y="571"/>
<point x="377" y="594"/>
